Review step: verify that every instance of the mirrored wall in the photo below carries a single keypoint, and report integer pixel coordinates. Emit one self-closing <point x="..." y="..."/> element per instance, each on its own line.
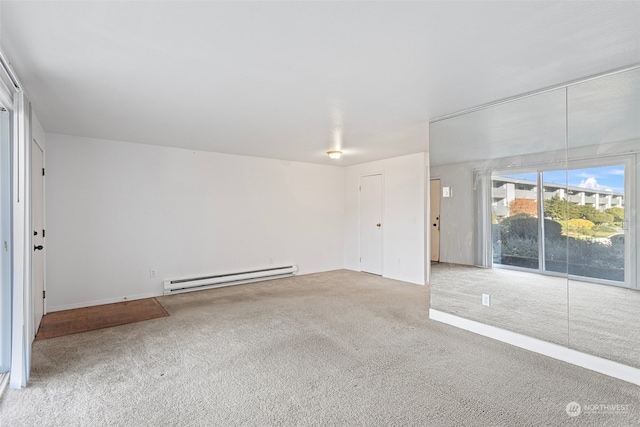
<point x="538" y="215"/>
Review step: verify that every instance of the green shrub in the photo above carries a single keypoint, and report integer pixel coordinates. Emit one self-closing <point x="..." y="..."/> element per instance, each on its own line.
<point x="578" y="224"/>
<point x="520" y="246"/>
<point x="552" y="229"/>
<point x="521" y="225"/>
<point x="604" y="229"/>
<point x="618" y="214"/>
<point x="581" y="252"/>
<point x="596" y="254"/>
<point x="586" y="252"/>
<point x="589" y="212"/>
<point x="558" y="208"/>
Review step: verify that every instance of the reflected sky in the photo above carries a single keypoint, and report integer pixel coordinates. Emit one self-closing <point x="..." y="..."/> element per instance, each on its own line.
<point x="605" y="178"/>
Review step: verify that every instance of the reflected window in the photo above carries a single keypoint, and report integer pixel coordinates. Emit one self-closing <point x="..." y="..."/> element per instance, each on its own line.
<point x="514" y="220"/>
<point x="575" y="218"/>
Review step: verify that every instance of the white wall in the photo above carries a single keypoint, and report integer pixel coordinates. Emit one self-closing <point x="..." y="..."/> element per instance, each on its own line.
<point x="115" y="210"/>
<point x="37" y="132"/>
<point x="403" y="224"/>
<point x="456" y="213"/>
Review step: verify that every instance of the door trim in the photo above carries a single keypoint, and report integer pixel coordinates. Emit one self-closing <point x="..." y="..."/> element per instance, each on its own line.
<point x="382" y="216"/>
<point x="35" y="298"/>
<point x="431" y="196"/>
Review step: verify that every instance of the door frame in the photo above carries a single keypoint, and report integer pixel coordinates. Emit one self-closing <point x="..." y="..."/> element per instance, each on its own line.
<point x="36" y="298"/>
<point x="6" y="242"/>
<point x="439" y="195"/>
<point x="382" y="218"/>
<point x="22" y="323"/>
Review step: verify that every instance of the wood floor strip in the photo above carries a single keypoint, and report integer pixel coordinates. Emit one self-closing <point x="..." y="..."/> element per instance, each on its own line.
<point x="68" y="322"/>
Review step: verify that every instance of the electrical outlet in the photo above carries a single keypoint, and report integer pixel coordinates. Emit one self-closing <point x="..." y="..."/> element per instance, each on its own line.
<point x="486" y="300"/>
<point x="152" y="273"/>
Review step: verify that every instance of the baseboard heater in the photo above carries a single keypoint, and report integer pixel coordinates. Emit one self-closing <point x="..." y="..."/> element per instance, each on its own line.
<point x="217" y="281"/>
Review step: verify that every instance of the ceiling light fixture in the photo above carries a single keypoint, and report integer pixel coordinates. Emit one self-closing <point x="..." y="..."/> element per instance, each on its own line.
<point x="334" y="154"/>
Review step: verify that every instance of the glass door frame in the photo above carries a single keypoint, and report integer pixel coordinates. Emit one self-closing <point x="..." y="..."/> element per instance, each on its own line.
<point x="628" y="161"/>
<point x="6" y="226"/>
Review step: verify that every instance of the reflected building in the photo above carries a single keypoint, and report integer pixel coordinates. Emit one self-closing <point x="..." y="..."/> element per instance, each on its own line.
<point x="506" y="189"/>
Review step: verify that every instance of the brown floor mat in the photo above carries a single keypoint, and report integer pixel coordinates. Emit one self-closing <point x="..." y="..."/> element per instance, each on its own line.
<point x="68" y="322"/>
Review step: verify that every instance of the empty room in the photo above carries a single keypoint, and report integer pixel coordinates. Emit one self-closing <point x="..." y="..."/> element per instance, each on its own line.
<point x="352" y="213"/>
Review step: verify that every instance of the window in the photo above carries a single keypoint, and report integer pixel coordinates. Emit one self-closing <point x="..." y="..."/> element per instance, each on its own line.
<point x="571" y="221"/>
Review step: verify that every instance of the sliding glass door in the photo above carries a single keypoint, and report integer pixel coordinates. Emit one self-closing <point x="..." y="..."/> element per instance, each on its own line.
<point x="514" y="219"/>
<point x="5" y="239"/>
<point x="562" y="221"/>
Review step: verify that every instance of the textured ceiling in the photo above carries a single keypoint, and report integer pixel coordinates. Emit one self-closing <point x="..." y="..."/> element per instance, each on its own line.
<point x="291" y="80"/>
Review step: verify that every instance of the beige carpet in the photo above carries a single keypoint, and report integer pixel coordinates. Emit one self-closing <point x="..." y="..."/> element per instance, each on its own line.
<point x="591" y="318"/>
<point x="338" y="348"/>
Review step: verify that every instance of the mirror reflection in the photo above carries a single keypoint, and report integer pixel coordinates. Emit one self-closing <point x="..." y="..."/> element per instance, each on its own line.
<point x="604" y="128"/>
<point x="536" y="229"/>
<point x="489" y="246"/>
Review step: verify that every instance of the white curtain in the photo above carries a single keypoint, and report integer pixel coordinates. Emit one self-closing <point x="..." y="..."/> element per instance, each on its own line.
<point x="19" y="207"/>
<point x="482" y="206"/>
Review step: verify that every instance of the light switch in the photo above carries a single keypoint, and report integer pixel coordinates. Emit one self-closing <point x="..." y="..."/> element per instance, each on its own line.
<point x="446" y="191"/>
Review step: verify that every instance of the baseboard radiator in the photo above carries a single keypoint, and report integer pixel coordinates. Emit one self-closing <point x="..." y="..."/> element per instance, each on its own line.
<point x="176" y="286"/>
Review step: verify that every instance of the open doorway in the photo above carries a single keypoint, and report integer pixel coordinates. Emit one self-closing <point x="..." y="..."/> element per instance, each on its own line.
<point x="434" y="219"/>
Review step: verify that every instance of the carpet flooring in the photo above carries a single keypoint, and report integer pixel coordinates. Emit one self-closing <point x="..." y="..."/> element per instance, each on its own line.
<point x="589" y="317"/>
<point x="60" y="323"/>
<point x="332" y="349"/>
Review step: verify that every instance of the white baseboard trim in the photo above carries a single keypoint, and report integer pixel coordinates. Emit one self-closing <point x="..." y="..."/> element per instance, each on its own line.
<point x="588" y="361"/>
<point x="160" y="293"/>
<point x="103" y="301"/>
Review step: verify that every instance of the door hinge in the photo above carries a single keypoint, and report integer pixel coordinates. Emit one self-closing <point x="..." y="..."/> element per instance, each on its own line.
<point x="44" y="294"/>
<point x="42" y="171"/>
<point x="360" y="259"/>
<point x="43" y="233"/>
<point x="360" y="188"/>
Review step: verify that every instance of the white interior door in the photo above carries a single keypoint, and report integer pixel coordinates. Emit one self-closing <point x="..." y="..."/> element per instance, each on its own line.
<point x="434" y="216"/>
<point x="37" y="221"/>
<point x="371" y="224"/>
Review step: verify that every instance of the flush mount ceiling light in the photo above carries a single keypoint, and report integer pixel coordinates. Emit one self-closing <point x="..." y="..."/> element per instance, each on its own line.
<point x="334" y="154"/>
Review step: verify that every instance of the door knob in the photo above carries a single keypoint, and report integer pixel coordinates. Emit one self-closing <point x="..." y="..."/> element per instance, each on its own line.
<point x="378" y="225"/>
<point x="38" y="248"/>
<point x="35" y="233"/>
